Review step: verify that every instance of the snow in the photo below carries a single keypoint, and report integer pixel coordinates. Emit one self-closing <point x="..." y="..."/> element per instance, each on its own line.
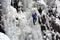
<point x="57" y="21"/>
<point x="4" y="37"/>
<point x="58" y="5"/>
<point x="42" y="2"/>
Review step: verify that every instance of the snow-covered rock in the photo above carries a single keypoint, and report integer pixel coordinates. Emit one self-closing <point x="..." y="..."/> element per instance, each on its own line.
<point x="57" y="21"/>
<point x="57" y="2"/>
<point x="42" y="2"/>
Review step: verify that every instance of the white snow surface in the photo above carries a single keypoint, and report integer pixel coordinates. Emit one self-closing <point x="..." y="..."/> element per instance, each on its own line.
<point x="57" y="2"/>
<point x="57" y="21"/>
<point x="42" y="2"/>
<point x="4" y="37"/>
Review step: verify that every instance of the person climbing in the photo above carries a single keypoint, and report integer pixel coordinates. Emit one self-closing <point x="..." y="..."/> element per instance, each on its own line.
<point x="34" y="16"/>
<point x="40" y="12"/>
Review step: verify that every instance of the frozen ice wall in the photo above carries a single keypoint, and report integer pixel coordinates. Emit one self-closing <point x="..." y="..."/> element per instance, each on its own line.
<point x="17" y="24"/>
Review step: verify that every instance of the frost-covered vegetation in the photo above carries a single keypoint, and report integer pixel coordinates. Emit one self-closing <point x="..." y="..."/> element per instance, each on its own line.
<point x="17" y="22"/>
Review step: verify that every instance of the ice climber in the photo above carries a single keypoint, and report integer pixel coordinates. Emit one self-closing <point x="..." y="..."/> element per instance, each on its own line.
<point x="34" y="16"/>
<point x="40" y="12"/>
